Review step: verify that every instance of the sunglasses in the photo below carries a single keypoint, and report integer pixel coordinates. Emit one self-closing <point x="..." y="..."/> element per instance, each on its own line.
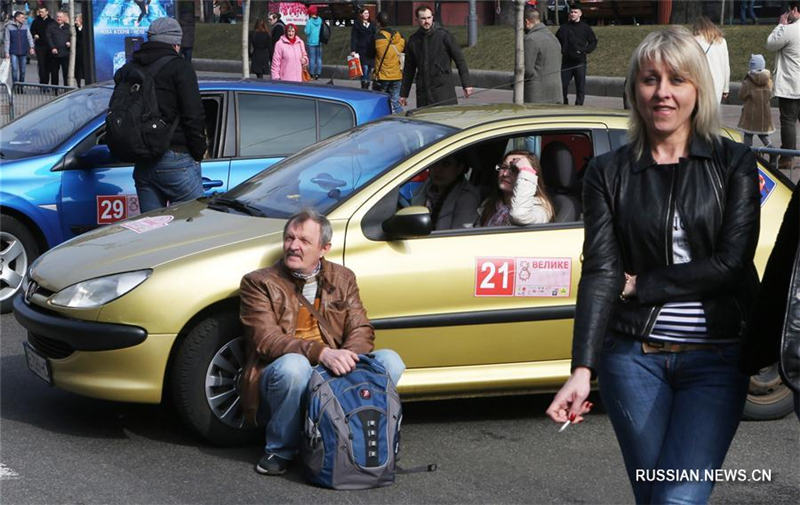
<point x="507" y="167"/>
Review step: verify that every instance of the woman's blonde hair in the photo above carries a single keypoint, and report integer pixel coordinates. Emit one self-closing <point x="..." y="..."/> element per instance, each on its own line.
<point x="677" y="49"/>
<point x="707" y="29"/>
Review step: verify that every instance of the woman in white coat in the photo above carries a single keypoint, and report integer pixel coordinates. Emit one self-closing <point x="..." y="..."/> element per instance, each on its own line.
<point x="713" y="44"/>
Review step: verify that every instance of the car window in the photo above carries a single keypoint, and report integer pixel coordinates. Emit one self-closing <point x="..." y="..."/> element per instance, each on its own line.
<point x="273" y="126"/>
<point x="334" y="118"/>
<point x="212" y="108"/>
<point x="43" y="129"/>
<point x="323" y="176"/>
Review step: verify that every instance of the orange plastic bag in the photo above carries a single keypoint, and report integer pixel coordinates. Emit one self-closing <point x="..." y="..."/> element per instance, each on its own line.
<point x="354" y="67"/>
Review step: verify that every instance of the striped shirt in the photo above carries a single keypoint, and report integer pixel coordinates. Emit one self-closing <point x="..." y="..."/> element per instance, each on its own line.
<point x="683" y="322"/>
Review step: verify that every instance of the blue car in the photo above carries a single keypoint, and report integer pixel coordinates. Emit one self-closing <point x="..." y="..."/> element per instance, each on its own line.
<point x="59" y="180"/>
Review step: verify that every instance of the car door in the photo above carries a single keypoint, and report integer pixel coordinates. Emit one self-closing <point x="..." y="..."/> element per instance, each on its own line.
<point x="475" y="296"/>
<point x="96" y="190"/>
<point x="272" y="126"/>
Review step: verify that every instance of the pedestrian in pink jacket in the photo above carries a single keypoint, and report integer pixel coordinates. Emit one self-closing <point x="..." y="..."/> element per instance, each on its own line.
<point x="289" y="57"/>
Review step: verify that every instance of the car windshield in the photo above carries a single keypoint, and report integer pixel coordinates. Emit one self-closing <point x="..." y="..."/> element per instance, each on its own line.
<point x="43" y="129"/>
<point x="325" y="174"/>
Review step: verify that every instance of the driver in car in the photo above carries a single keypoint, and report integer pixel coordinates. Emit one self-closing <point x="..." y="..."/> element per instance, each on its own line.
<point x="300" y="312"/>
<point x="447" y="193"/>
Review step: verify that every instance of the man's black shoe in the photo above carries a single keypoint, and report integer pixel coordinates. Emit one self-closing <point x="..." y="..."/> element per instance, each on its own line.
<point x="271" y="464"/>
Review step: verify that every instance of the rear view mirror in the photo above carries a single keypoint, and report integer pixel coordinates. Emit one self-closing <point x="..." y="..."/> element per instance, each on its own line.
<point x="408" y="223"/>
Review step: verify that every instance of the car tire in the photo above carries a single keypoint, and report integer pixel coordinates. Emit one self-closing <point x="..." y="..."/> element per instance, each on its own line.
<point x="204" y="381"/>
<point x="768" y="397"/>
<point x="18" y="249"/>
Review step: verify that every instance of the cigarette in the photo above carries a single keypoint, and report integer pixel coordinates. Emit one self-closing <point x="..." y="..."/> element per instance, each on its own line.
<point x="564" y="426"/>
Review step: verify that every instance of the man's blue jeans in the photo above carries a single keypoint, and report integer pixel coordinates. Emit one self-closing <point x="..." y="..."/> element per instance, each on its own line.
<point x="314" y="60"/>
<point x="176" y="177"/>
<point x="392" y="88"/>
<point x="18" y="67"/>
<point x="672" y="411"/>
<point x="282" y="388"/>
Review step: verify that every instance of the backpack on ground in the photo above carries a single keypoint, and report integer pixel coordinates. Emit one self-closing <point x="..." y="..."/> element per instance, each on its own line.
<point x="351" y="435"/>
<point x="325" y="33"/>
<point x="135" y="130"/>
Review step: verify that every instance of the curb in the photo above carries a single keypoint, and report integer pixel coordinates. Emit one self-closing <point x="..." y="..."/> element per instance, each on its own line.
<point x="596" y="85"/>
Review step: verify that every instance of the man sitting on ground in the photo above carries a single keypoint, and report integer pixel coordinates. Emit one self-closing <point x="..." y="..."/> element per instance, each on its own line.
<point x="300" y="312"/>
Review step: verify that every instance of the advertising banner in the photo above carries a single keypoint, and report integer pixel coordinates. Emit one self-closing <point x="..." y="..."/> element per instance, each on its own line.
<point x="120" y="28"/>
<point x="291" y="12"/>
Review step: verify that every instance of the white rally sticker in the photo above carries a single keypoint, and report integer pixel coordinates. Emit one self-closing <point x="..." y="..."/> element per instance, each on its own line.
<point x="527" y="277"/>
<point x="146" y="224"/>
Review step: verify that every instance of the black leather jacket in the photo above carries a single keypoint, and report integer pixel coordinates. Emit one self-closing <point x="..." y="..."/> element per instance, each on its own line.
<point x="629" y="206"/>
<point x="775" y="328"/>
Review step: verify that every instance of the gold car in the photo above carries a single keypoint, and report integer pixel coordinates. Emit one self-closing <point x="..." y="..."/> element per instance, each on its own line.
<point x="147" y="309"/>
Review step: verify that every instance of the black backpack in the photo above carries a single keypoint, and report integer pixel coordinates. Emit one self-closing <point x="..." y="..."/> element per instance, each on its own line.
<point x="135" y="130"/>
<point x="325" y="33"/>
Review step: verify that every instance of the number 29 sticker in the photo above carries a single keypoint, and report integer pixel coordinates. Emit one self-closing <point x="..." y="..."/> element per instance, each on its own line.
<point x="113" y="208"/>
<point x="526" y="277"/>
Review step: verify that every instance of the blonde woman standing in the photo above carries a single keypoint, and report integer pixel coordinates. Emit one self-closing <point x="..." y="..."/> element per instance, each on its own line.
<point x="713" y="44"/>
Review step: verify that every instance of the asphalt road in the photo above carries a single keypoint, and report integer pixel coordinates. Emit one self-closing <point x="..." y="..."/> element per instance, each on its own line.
<point x="56" y="447"/>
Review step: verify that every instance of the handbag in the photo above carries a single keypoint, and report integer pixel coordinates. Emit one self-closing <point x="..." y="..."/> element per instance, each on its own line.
<point x="5" y="73"/>
<point x="306" y="75"/>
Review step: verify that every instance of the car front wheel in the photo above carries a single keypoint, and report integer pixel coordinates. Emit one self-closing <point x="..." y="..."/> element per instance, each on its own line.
<point x="205" y="377"/>
<point x="18" y="248"/>
<point x="768" y="397"/>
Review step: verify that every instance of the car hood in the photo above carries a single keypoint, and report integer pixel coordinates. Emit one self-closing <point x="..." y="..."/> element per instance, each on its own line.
<point x="158" y="237"/>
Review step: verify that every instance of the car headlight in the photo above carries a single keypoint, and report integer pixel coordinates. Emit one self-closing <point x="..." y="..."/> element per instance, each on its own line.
<point x="96" y="292"/>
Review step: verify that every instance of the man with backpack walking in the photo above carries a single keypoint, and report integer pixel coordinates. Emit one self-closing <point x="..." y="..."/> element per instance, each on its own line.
<point x="166" y="139"/>
<point x="389" y="46"/>
<point x="300" y="312"/>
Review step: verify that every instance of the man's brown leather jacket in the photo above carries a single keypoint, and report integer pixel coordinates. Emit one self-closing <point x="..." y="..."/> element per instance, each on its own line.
<point x="270" y="301"/>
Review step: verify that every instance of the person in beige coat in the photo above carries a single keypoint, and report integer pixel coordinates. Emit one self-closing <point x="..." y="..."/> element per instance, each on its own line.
<point x="755" y="93"/>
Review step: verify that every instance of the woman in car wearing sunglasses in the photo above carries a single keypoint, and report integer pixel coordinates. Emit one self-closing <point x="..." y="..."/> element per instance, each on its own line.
<point x="519" y="198"/>
<point x="671" y="225"/>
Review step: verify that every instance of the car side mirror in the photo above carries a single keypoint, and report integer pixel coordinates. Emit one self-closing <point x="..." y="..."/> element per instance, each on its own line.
<point x="409" y="222"/>
<point x="98" y="156"/>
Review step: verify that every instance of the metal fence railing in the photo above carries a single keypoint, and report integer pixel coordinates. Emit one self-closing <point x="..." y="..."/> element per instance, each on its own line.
<point x="782" y="159"/>
<point x="26" y="96"/>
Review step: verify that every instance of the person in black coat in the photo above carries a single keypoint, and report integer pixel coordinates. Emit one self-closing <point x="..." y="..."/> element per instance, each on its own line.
<point x="39" y="32"/>
<point x="58" y="42"/>
<point x="187" y="21"/>
<point x="577" y="40"/>
<point x="278" y="28"/>
<point x="774" y="331"/>
<point x="260" y="49"/>
<point x="428" y="54"/>
<point x="362" y="41"/>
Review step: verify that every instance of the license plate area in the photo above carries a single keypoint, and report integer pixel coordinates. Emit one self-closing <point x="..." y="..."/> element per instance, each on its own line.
<point x="38" y="364"/>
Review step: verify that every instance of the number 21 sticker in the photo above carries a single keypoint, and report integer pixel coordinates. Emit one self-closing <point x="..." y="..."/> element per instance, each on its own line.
<point x="494" y="276"/>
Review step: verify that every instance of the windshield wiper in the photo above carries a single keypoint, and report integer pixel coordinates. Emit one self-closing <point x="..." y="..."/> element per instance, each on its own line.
<point x="220" y="202"/>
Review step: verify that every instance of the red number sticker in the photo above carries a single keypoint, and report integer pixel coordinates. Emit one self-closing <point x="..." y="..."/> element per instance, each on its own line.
<point x="111" y="209"/>
<point x="494" y="276"/>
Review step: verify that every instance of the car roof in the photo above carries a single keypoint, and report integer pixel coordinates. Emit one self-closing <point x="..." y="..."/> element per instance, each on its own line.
<point x="465" y="116"/>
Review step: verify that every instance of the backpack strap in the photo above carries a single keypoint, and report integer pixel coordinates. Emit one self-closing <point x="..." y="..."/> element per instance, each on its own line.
<point x="388" y="45"/>
<point x="157" y="65"/>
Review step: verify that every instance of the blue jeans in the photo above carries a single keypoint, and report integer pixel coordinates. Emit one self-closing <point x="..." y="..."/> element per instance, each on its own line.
<point x="18" y="67"/>
<point x="365" y="77"/>
<point x="176" y="177"/>
<point x="392" y="88"/>
<point x="314" y="60"/>
<point x="283" y="395"/>
<point x="672" y="411"/>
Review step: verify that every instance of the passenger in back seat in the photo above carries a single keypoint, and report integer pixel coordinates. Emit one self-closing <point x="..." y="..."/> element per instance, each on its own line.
<point x="519" y="197"/>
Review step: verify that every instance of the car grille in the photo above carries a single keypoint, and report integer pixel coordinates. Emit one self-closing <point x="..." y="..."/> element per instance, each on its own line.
<point x="51" y="348"/>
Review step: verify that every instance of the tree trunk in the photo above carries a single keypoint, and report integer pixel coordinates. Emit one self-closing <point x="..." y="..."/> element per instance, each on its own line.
<point x="519" y="53"/>
<point x="72" y="49"/>
<point x="246" y="39"/>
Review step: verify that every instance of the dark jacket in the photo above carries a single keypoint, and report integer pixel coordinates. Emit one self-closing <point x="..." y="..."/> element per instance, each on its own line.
<point x="187" y="22"/>
<point x="628" y="213"/>
<point x="577" y="40"/>
<point x="276" y="32"/>
<point x="269" y="306"/>
<point x="57" y="38"/>
<point x="18" y="39"/>
<point x="542" y="66"/>
<point x="39" y="27"/>
<point x="178" y="96"/>
<point x="362" y="41"/>
<point x="428" y="56"/>
<point x="774" y="333"/>
<point x="260" y="52"/>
